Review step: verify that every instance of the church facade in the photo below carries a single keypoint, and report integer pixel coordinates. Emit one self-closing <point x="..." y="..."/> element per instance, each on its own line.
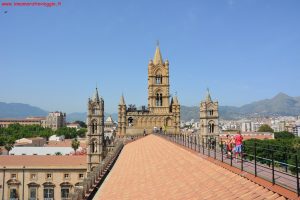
<point x="162" y="113"/>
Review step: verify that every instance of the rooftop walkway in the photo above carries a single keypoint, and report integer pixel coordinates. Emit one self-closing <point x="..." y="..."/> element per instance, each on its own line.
<point x="154" y="168"/>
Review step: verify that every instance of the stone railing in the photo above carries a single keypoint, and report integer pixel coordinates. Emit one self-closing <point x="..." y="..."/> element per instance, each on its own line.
<point x="95" y="178"/>
<point x="93" y="181"/>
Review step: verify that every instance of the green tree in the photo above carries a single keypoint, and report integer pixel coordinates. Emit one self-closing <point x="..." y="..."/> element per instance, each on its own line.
<point x="265" y="128"/>
<point x="75" y="144"/>
<point x="58" y="153"/>
<point x="284" y="135"/>
<point x="81" y="123"/>
<point x="81" y="132"/>
<point x="8" y="147"/>
<point x="69" y="133"/>
<point x="46" y="133"/>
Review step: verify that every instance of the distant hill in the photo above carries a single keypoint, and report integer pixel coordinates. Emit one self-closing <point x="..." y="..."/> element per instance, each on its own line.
<point x="81" y="116"/>
<point x="281" y="104"/>
<point x="20" y="110"/>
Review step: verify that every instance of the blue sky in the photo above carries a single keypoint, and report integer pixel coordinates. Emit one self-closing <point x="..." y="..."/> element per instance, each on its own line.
<point x="243" y="50"/>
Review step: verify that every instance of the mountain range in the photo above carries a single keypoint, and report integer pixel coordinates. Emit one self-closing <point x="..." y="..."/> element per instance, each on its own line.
<point x="20" y="110"/>
<point x="281" y="104"/>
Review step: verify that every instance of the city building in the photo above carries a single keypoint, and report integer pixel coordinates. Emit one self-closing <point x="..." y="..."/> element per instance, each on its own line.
<point x="31" y="142"/>
<point x="27" y="121"/>
<point x="74" y="125"/>
<point x="47" y="150"/>
<point x="36" y="173"/>
<point x="161" y="114"/>
<point x="250" y="126"/>
<point x="249" y="135"/>
<point x="110" y="124"/>
<point x="40" y="177"/>
<point x="56" y="138"/>
<point x="55" y="120"/>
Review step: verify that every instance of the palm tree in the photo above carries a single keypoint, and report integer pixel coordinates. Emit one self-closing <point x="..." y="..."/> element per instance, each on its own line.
<point x="75" y="144"/>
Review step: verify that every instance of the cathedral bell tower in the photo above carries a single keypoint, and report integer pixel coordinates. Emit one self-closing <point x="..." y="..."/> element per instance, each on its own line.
<point x="175" y="106"/>
<point x="158" y="84"/>
<point x="95" y="133"/>
<point x="122" y="117"/>
<point x="209" y="117"/>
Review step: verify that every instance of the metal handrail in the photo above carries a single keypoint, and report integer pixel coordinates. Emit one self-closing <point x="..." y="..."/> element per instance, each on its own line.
<point x="288" y="179"/>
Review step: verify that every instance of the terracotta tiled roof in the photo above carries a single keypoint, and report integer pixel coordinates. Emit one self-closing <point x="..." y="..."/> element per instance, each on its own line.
<point x="43" y="161"/>
<point x="65" y="143"/>
<point x="153" y="168"/>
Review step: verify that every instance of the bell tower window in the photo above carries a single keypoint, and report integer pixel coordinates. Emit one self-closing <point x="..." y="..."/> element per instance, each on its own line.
<point x="158" y="99"/>
<point x="211" y="127"/>
<point x="94" y="111"/>
<point x="158" y="79"/>
<point x="94" y="127"/>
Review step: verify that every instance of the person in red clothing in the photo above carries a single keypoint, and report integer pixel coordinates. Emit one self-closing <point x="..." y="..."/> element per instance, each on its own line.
<point x="229" y="145"/>
<point x="238" y="140"/>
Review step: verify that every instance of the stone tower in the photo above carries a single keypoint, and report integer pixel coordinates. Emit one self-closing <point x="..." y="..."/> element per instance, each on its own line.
<point x="122" y="117"/>
<point x="158" y="84"/>
<point x="209" y="117"/>
<point x="95" y="133"/>
<point x="175" y="108"/>
<point x="161" y="115"/>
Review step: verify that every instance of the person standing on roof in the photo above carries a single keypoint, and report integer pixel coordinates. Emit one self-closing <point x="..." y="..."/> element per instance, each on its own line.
<point x="238" y="140"/>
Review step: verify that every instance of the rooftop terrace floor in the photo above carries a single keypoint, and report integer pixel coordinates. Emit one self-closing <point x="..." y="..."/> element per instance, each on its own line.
<point x="154" y="168"/>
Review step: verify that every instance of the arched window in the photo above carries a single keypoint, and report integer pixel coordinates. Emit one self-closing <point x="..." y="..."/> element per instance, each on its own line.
<point x="65" y="190"/>
<point x="158" y="79"/>
<point x="94" y="127"/>
<point x="130" y="121"/>
<point x="211" y="127"/>
<point x="94" y="110"/>
<point x="94" y="147"/>
<point x="211" y="112"/>
<point x="32" y="190"/>
<point x="158" y="99"/>
<point x="48" y="190"/>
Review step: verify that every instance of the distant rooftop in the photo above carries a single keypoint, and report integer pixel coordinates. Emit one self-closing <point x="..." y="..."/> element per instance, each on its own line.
<point x="43" y="161"/>
<point x="51" y="150"/>
<point x="65" y="143"/>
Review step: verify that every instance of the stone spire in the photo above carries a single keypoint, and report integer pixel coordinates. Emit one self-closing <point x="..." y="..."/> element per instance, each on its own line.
<point x="96" y="96"/>
<point x="122" y="101"/>
<point x="176" y="100"/>
<point x="157" y="56"/>
<point x="208" y="98"/>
